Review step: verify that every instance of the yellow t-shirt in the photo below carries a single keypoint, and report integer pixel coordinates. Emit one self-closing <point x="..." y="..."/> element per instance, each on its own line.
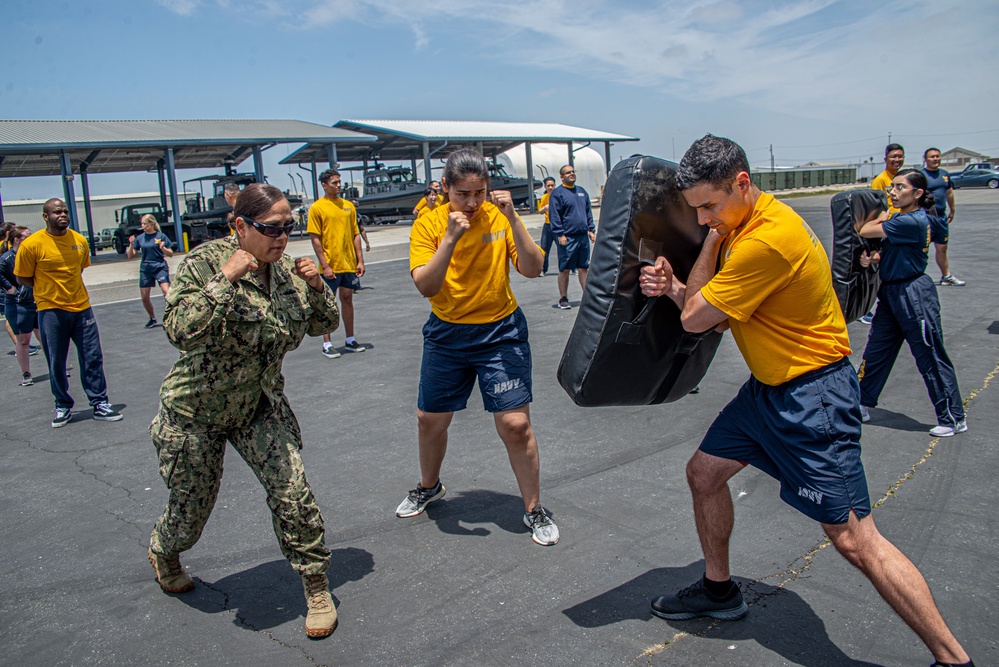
<point x="544" y="202"/>
<point x="776" y="287"/>
<point x="420" y="205"/>
<point x="476" y="288"/>
<point x="56" y="263"/>
<point x="427" y="208"/>
<point x="334" y="221"/>
<point x="882" y="182"/>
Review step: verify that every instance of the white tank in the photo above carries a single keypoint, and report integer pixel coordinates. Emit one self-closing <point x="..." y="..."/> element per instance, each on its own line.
<point x="549" y="158"/>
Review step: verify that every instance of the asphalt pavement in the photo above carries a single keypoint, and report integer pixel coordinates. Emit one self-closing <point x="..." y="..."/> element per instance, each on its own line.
<point x="464" y="584"/>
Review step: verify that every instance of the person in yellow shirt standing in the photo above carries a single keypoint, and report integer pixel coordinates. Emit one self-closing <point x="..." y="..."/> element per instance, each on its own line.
<point x="546" y="230"/>
<point x="431" y="200"/>
<point x="420" y="205"/>
<point x="459" y="258"/>
<point x="51" y="261"/>
<point x="797" y="418"/>
<point x="336" y="238"/>
<point x="894" y="159"/>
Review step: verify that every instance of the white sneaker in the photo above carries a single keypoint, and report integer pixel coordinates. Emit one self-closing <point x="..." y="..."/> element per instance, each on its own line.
<point x="865" y="414"/>
<point x="330" y="352"/>
<point x="947" y="430"/>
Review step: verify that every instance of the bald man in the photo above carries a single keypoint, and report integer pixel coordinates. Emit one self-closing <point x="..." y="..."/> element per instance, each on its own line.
<point x="52" y="261"/>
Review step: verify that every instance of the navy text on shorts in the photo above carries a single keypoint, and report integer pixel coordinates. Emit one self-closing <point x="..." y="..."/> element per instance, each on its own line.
<point x="498" y="353"/>
<point x="804" y="433"/>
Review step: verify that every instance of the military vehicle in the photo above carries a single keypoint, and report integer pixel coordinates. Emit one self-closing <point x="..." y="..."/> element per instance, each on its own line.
<point x="214" y="211"/>
<point x="518" y="187"/>
<point x="390" y="193"/>
<point x="129" y="219"/>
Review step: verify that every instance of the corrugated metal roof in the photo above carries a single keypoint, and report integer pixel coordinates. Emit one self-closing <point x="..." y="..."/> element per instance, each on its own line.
<point x="439" y="130"/>
<point x="403" y="139"/>
<point x="31" y="147"/>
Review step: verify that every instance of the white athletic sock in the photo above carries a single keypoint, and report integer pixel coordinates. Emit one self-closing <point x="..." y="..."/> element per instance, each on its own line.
<point x="350" y="340"/>
<point x="327" y="346"/>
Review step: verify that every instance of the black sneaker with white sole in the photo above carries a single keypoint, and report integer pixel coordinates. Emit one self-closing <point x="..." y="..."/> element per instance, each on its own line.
<point x="62" y="417"/>
<point x="563" y="303"/>
<point x="354" y="346"/>
<point x="105" y="412"/>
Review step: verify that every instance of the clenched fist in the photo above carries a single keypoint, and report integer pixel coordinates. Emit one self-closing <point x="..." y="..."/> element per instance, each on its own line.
<point x="239" y="265"/>
<point x="305" y="269"/>
<point x="457" y="225"/>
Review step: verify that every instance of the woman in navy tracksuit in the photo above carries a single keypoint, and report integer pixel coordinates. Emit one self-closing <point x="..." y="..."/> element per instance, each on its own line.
<point x="908" y="307"/>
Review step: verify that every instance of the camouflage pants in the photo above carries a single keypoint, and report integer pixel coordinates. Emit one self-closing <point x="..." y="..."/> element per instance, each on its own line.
<point x="190" y="462"/>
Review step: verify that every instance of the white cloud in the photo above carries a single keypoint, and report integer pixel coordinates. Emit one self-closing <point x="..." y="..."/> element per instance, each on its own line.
<point x="182" y="7"/>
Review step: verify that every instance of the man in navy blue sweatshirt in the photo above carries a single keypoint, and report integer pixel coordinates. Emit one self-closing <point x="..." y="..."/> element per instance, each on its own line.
<point x="572" y="226"/>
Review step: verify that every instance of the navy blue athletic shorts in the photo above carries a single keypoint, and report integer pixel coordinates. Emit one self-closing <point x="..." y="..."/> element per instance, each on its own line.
<point x="939" y="229"/>
<point x="804" y="433"/>
<point x="575" y="254"/>
<point x="22" y="319"/>
<point x="347" y="280"/>
<point x="153" y="276"/>
<point x="498" y="354"/>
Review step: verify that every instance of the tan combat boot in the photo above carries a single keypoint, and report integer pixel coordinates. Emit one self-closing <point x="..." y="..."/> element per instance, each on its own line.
<point x="170" y="574"/>
<point x="321" y="619"/>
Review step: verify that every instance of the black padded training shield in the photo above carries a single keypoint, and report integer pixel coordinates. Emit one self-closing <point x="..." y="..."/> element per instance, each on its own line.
<point x="624" y="348"/>
<point x="856" y="287"/>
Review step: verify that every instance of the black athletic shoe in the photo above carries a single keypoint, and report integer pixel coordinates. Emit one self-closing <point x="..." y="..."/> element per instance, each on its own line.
<point x="105" y="412"/>
<point x="563" y="303"/>
<point x="151" y="323"/>
<point x="354" y="346"/>
<point x="26" y="380"/>
<point x="970" y="663"/>
<point x="62" y="417"/>
<point x="694" y="601"/>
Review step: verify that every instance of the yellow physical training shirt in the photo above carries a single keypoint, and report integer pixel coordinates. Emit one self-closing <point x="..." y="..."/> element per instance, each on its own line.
<point x="776" y="287"/>
<point x="427" y="208"/>
<point x="544" y="202"/>
<point x="56" y="263"/>
<point x="882" y="182"/>
<point x="476" y="288"/>
<point x="335" y="222"/>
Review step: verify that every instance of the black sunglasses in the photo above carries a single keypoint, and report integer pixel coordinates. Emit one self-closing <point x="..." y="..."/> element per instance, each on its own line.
<point x="273" y="231"/>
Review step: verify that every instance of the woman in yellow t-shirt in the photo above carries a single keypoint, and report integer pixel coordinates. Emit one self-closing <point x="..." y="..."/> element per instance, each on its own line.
<point x="459" y="257"/>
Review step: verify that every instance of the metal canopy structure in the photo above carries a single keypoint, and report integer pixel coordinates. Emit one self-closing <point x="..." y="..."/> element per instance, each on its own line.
<point x="400" y="140"/>
<point x="66" y="148"/>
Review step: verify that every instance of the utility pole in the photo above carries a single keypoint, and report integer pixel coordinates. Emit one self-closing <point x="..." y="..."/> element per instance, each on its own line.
<point x="773" y="171"/>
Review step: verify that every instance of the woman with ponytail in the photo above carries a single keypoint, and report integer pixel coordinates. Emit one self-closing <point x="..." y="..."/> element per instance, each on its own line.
<point x="19" y="304"/>
<point x="908" y="307"/>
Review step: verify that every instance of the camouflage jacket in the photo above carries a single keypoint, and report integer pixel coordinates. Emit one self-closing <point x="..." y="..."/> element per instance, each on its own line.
<point x="233" y="337"/>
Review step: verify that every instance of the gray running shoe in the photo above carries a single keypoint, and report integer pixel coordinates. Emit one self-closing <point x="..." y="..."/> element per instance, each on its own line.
<point x="952" y="280"/>
<point x="865" y="414"/>
<point x="694" y="601"/>
<point x="947" y="430"/>
<point x="563" y="303"/>
<point x="543" y="529"/>
<point x="26" y="380"/>
<point x="418" y="499"/>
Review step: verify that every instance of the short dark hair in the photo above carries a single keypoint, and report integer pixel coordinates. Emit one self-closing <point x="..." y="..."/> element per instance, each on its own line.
<point x="711" y="159"/>
<point x="893" y="147"/>
<point x="931" y="148"/>
<point x="428" y="192"/>
<point x="327" y="175"/>
<point x="548" y="178"/>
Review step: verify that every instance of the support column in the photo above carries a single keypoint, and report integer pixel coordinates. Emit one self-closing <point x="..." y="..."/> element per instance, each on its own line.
<point x="315" y="183"/>
<point x="571" y="157"/>
<point x="331" y="155"/>
<point x="174" y="201"/>
<point x="530" y="178"/>
<point x="161" y="178"/>
<point x="607" y="158"/>
<point x="258" y="164"/>
<point x="69" y="194"/>
<point x="427" y="171"/>
<point x="86" y="209"/>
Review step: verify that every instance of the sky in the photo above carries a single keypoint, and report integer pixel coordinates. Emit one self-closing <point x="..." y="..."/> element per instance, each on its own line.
<point x="826" y="80"/>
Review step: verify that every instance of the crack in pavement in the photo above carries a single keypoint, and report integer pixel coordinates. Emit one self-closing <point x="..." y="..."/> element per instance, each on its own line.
<point x="249" y="626"/>
<point x="792" y="572"/>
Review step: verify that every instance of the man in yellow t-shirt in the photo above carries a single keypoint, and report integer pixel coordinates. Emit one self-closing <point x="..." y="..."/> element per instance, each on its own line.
<point x="336" y="239"/>
<point x="431" y="202"/>
<point x="894" y="159"/>
<point x="420" y="205"/>
<point x="547" y="238"/>
<point x="459" y="258"/>
<point x="52" y="261"/>
<point x="798" y="416"/>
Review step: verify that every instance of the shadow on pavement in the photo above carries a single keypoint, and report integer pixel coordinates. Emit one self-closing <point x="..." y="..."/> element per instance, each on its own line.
<point x="478" y="506"/>
<point x="271" y="594"/>
<point x="897" y="421"/>
<point x="779" y="620"/>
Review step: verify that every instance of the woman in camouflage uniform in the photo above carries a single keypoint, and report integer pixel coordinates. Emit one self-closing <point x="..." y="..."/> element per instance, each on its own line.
<point x="237" y="306"/>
